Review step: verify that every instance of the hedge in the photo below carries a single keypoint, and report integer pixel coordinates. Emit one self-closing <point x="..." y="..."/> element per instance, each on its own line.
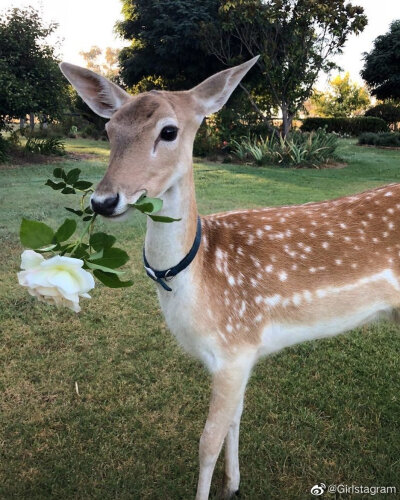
<point x="350" y="126"/>
<point x="388" y="139"/>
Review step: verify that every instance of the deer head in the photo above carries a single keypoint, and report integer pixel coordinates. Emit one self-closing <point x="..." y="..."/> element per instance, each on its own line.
<point x="151" y="134"/>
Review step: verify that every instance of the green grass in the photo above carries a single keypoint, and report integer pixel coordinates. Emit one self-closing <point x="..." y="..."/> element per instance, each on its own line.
<point x="325" y="411"/>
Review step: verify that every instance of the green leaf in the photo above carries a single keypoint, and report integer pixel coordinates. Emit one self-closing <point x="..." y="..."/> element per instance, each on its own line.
<point x="82" y="185"/>
<point x="59" y="173"/>
<point x="162" y="218"/>
<point x="148" y="205"/>
<point x="81" y="251"/>
<point x="73" y="175"/>
<point x="34" y="234"/>
<point x="101" y="240"/>
<point x="111" y="280"/>
<point x="112" y="257"/>
<point x="76" y="212"/>
<point x="88" y="217"/>
<point x="55" y="185"/>
<point x="91" y="265"/>
<point x="97" y="255"/>
<point x="47" y="249"/>
<point x="65" y="231"/>
<point x="68" y="190"/>
<point x="88" y="210"/>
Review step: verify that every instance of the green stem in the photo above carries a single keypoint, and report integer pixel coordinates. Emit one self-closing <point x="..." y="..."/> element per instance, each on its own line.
<point x="86" y="229"/>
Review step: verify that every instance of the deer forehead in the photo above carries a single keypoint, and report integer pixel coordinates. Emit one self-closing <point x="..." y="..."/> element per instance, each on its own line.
<point x="150" y="110"/>
<point x="141" y="113"/>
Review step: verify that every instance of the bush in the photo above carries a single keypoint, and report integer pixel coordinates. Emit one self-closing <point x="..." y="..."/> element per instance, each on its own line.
<point x="297" y="149"/>
<point x="46" y="146"/>
<point x="4" y="148"/>
<point x="351" y="126"/>
<point x="207" y="141"/>
<point x="387" y="112"/>
<point x="388" y="139"/>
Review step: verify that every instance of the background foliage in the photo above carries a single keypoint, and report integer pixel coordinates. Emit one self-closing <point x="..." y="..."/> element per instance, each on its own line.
<point x="382" y="65"/>
<point x="30" y="79"/>
<point x="343" y="99"/>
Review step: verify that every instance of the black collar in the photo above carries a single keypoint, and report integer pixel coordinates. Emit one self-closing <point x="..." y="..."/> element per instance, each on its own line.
<point x="159" y="276"/>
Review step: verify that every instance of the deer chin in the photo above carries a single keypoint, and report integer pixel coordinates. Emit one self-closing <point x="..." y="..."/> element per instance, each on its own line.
<point x="120" y="217"/>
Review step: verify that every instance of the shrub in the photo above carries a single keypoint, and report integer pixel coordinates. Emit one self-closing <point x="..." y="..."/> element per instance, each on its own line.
<point x="4" y="148"/>
<point x="351" y="126"/>
<point x="207" y="140"/>
<point x="297" y="149"/>
<point x="46" y="146"/>
<point x="387" y="112"/>
<point x="388" y="139"/>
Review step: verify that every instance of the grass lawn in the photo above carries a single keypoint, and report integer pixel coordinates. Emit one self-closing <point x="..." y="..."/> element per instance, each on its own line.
<point x="324" y="411"/>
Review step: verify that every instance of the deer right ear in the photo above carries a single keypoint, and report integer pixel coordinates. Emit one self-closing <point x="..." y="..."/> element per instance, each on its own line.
<point x="101" y="95"/>
<point x="213" y="93"/>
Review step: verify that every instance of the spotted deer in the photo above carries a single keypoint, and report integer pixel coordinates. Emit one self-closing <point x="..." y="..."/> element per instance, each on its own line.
<point x="261" y="279"/>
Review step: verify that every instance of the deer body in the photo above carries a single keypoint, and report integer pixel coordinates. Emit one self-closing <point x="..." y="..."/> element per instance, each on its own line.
<point x="262" y="279"/>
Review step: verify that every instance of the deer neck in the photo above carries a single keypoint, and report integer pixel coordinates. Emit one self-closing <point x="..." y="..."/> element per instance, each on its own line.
<point x="166" y="244"/>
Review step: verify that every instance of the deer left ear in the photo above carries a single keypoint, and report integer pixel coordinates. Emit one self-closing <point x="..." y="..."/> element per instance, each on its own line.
<point x="101" y="95"/>
<point x="213" y="93"/>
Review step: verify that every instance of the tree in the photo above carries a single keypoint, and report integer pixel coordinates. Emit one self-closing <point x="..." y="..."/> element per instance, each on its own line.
<point x="386" y="111"/>
<point x="294" y="38"/>
<point x="30" y="79"/>
<point x="166" y="49"/>
<point x="345" y="98"/>
<point x="382" y="65"/>
<point x="107" y="67"/>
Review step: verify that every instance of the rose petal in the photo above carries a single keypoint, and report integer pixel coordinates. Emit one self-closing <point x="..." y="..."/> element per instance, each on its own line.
<point x="64" y="281"/>
<point x="60" y="260"/>
<point x="30" y="259"/>
<point x="86" y="280"/>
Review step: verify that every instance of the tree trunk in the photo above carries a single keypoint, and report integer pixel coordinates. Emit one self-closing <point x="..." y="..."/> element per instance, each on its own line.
<point x="22" y="123"/>
<point x="287" y="118"/>
<point x="32" y="120"/>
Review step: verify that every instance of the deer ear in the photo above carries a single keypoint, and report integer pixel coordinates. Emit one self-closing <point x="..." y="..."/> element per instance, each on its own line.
<point x="101" y="95"/>
<point x="213" y="93"/>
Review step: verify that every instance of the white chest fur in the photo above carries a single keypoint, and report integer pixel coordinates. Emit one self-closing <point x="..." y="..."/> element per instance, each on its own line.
<point x="178" y="309"/>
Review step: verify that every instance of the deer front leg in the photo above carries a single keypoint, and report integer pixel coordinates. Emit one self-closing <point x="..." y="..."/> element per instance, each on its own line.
<point x="232" y="472"/>
<point x="228" y="388"/>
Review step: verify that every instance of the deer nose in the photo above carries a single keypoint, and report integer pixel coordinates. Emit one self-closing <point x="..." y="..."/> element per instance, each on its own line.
<point x="105" y="206"/>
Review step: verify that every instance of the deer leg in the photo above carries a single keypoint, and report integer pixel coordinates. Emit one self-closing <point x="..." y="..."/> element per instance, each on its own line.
<point x="232" y="472"/>
<point x="228" y="388"/>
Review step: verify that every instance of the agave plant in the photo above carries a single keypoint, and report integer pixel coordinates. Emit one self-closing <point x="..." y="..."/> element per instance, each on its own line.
<point x="297" y="149"/>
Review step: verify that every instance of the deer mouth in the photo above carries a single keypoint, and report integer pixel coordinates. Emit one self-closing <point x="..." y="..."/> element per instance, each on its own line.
<point x="124" y="208"/>
<point x="115" y="207"/>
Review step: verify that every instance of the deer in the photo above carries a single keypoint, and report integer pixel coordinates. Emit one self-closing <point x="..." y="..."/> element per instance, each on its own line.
<point x="239" y="285"/>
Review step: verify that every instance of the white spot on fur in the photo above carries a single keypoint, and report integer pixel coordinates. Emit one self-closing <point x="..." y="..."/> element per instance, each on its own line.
<point x="283" y="276"/>
<point x="296" y="299"/>
<point x="272" y="301"/>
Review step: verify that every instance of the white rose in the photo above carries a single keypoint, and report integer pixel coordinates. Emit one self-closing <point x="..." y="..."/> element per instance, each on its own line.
<point x="58" y="280"/>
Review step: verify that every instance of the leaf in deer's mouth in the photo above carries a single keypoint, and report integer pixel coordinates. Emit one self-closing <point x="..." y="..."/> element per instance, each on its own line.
<point x="150" y="206"/>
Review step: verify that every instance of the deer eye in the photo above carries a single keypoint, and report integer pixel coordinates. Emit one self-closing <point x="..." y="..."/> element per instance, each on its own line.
<point x="169" y="133"/>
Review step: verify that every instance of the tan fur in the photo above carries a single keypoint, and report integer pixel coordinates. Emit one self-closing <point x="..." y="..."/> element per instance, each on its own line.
<point x="294" y="252"/>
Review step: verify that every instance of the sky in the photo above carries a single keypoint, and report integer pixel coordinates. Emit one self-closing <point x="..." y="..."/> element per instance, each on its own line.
<point x="83" y="23"/>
